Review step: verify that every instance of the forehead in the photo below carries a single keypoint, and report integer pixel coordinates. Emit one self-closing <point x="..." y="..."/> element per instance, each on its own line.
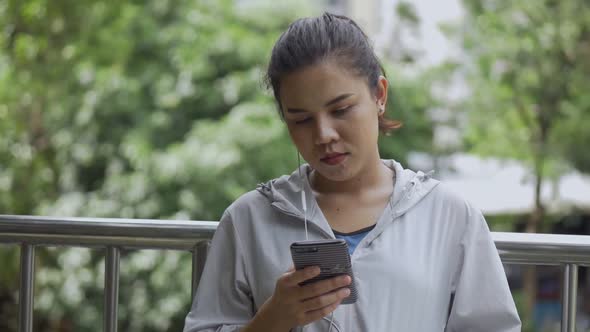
<point x="314" y="85"/>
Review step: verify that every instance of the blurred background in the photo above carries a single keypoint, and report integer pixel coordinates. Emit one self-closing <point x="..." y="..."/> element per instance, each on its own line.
<point x="156" y="109"/>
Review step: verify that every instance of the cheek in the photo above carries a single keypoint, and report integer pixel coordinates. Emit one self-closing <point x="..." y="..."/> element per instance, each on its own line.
<point x="298" y="136"/>
<point x="365" y="125"/>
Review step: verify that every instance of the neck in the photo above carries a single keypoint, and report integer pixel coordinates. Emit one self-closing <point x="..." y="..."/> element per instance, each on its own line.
<point x="372" y="176"/>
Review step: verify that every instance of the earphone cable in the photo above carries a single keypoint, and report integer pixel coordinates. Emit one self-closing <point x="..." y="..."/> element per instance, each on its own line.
<point x="303" y="200"/>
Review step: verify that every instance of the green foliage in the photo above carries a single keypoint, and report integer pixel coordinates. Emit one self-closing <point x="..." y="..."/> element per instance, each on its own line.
<point x="91" y="103"/>
<point x="409" y="101"/>
<point x="573" y="130"/>
<point x="529" y="72"/>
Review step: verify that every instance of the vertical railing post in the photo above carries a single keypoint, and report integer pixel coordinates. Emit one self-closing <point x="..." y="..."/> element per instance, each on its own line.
<point x="26" y="291"/>
<point x="200" y="252"/>
<point x="569" y="298"/>
<point x="111" y="288"/>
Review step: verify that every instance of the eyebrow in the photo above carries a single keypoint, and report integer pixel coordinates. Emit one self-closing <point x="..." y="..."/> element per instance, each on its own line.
<point x="331" y="102"/>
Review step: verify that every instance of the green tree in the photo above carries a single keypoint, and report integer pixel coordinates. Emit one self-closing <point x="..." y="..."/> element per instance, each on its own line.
<point x="409" y="96"/>
<point x="527" y="68"/>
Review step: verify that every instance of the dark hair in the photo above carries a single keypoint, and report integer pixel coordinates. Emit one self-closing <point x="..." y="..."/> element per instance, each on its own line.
<point x="309" y="41"/>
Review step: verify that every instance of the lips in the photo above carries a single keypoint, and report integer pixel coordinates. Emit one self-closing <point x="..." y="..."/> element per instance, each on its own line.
<point x="334" y="158"/>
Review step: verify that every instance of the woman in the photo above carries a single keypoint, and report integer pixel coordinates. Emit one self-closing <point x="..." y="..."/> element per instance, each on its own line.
<point x="423" y="258"/>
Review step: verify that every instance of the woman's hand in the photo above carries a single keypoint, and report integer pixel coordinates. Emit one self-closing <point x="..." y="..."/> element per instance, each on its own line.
<point x="293" y="305"/>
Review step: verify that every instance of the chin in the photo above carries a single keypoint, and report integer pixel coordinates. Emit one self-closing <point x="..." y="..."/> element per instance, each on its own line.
<point x="335" y="173"/>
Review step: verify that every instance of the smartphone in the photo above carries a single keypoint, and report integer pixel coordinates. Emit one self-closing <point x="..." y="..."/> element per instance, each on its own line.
<point x="332" y="258"/>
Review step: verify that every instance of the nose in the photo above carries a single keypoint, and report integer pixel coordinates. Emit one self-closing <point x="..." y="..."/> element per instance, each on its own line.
<point x="325" y="131"/>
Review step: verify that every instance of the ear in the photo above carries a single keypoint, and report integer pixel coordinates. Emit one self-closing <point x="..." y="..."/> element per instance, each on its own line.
<point x="381" y="93"/>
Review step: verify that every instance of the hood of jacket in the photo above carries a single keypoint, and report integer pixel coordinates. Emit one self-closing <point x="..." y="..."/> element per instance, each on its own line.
<point x="284" y="194"/>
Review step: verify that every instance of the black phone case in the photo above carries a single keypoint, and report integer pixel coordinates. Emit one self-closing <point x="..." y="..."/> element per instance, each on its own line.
<point x="331" y="256"/>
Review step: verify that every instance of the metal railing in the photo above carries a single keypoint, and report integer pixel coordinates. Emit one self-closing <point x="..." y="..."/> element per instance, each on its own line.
<point x="569" y="251"/>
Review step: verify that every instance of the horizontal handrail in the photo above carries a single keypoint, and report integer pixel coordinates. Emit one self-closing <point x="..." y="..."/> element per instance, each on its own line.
<point x="543" y="249"/>
<point x="521" y="248"/>
<point x="92" y="232"/>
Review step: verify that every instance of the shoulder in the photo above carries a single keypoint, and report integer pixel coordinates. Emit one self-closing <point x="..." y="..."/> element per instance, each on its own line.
<point x="454" y="210"/>
<point x="453" y="200"/>
<point x="251" y="201"/>
<point x="242" y="216"/>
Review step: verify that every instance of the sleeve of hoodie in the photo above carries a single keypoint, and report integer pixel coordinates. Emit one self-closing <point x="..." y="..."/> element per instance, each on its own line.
<point x="222" y="302"/>
<point x="482" y="300"/>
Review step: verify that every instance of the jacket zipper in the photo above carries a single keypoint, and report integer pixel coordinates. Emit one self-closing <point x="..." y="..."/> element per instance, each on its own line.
<point x="298" y="216"/>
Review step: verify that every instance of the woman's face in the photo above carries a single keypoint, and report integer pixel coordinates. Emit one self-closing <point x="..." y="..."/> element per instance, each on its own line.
<point x="332" y="117"/>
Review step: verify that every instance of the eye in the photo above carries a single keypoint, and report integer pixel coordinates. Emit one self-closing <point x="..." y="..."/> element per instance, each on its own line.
<point x="303" y="121"/>
<point x="341" y="111"/>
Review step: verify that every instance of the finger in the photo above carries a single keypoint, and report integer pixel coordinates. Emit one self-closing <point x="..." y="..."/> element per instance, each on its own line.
<point x="324" y="286"/>
<point x="296" y="277"/>
<point x="325" y="300"/>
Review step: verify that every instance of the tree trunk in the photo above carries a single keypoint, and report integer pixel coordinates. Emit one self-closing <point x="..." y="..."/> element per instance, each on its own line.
<point x="538" y="214"/>
<point x="535" y="219"/>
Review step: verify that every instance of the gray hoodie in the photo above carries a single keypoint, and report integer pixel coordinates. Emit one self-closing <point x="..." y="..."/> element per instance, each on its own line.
<point x="429" y="246"/>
